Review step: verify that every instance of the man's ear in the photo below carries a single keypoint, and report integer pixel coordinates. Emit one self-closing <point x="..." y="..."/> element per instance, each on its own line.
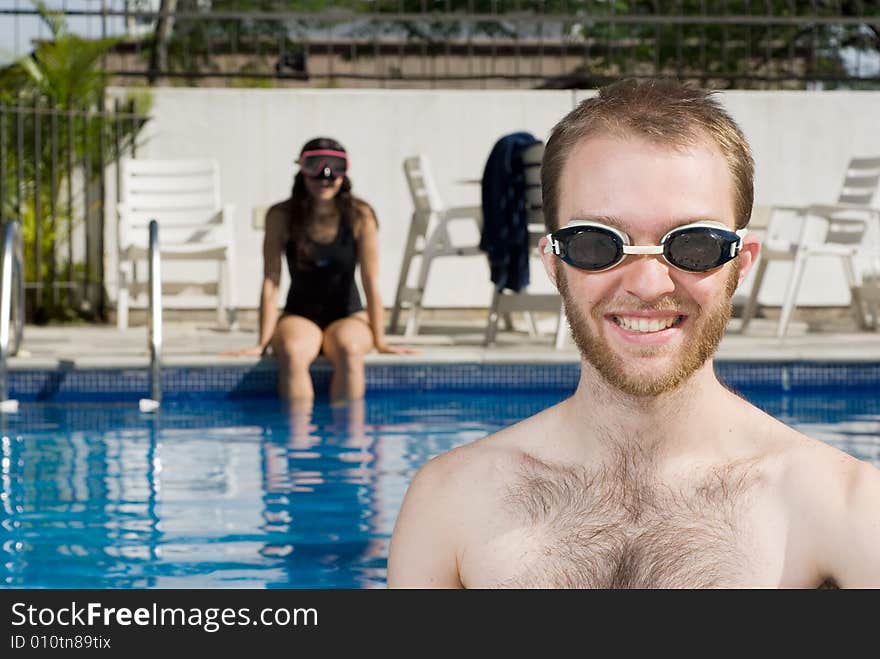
<point x="549" y="261"/>
<point x="748" y="255"/>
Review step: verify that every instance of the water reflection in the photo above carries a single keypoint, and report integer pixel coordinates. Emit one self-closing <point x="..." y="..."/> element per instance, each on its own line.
<point x="319" y="500"/>
<point x="79" y="508"/>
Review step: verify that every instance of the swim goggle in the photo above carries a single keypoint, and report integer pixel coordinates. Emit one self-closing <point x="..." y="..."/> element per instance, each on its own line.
<point x="695" y="247"/>
<point x="323" y="163"/>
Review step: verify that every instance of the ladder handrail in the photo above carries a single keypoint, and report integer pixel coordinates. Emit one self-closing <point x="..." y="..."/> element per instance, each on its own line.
<point x="11" y="274"/>
<point x="155" y="315"/>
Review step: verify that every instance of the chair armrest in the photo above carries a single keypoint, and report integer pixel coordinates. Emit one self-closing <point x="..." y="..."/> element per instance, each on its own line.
<point x="825" y="210"/>
<point x="767" y="216"/>
<point x="222" y="222"/>
<point x="225" y="215"/>
<point x="792" y="209"/>
<point x="474" y="213"/>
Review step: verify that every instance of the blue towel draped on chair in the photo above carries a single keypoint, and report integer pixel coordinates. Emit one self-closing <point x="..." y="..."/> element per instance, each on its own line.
<point x="505" y="234"/>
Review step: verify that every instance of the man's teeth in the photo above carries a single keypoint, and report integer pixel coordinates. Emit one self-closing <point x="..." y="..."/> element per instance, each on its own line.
<point x="646" y="325"/>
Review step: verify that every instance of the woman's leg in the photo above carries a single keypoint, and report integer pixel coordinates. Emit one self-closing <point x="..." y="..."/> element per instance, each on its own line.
<point x="296" y="342"/>
<point x="351" y="416"/>
<point x="346" y="341"/>
<point x="302" y="430"/>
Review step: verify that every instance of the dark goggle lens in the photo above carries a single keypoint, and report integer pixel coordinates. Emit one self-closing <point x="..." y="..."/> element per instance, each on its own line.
<point x="592" y="249"/>
<point x="698" y="249"/>
<point x="315" y="165"/>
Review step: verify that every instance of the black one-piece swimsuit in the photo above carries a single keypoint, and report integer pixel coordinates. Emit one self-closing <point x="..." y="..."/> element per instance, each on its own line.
<point x="323" y="288"/>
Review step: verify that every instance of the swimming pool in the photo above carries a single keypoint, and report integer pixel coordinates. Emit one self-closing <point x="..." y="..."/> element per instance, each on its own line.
<point x="248" y="493"/>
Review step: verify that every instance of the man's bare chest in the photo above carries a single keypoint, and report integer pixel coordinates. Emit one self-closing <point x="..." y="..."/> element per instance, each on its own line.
<point x="583" y="530"/>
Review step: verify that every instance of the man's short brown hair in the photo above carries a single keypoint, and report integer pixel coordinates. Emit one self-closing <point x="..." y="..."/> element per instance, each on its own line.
<point x="660" y="110"/>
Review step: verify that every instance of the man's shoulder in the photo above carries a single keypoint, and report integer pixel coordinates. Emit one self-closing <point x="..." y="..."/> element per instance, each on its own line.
<point x="479" y="476"/>
<point x="813" y="472"/>
<point x="832" y="500"/>
<point x="482" y="463"/>
<point x="779" y="443"/>
<point x="802" y="453"/>
<point x="478" y="470"/>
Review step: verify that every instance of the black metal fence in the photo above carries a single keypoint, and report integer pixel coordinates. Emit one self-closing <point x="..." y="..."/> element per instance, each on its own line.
<point x="490" y="43"/>
<point x="54" y="164"/>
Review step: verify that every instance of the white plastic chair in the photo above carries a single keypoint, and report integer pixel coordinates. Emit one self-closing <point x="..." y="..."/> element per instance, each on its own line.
<point x="429" y="213"/>
<point x="506" y="302"/>
<point x="847" y="229"/>
<point x="183" y="196"/>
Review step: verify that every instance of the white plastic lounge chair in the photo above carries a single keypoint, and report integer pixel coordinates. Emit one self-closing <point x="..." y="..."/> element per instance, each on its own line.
<point x="429" y="213"/>
<point x="846" y="229"/>
<point x="183" y="196"/>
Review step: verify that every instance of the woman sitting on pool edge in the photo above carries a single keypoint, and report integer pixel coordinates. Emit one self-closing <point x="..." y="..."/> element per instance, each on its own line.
<point x="324" y="232"/>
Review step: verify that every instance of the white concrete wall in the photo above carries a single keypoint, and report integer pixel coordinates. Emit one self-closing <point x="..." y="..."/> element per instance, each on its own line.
<point x="801" y="141"/>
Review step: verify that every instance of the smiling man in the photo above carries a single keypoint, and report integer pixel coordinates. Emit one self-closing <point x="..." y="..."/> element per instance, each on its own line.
<point x="653" y="474"/>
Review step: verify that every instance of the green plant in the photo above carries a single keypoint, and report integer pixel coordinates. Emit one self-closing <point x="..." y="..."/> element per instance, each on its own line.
<point x="55" y="136"/>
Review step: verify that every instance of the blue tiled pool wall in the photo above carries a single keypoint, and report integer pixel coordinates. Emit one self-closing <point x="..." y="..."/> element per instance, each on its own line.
<point x="225" y="382"/>
<point x="386" y="414"/>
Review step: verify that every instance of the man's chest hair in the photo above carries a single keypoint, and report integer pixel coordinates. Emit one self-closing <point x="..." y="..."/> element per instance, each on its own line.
<point x="619" y="526"/>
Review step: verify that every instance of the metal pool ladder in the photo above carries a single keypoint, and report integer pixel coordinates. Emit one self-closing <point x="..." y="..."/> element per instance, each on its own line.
<point x="11" y="307"/>
<point x="154" y="319"/>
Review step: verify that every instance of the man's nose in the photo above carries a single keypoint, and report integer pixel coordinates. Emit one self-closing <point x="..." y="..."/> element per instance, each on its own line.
<point x="647" y="277"/>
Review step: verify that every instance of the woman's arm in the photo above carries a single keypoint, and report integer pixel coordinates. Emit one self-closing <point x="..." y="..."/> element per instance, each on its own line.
<point x="268" y="312"/>
<point x="273" y="243"/>
<point x="368" y="256"/>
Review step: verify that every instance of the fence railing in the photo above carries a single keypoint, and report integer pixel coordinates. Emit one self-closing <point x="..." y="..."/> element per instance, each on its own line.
<point x="54" y="164"/>
<point x="482" y="43"/>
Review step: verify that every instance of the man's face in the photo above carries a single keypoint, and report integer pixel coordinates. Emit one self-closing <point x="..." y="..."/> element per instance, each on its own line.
<point x="644" y="325"/>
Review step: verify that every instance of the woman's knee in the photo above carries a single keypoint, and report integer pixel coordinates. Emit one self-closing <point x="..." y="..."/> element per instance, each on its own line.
<point x="295" y="351"/>
<point x="345" y="351"/>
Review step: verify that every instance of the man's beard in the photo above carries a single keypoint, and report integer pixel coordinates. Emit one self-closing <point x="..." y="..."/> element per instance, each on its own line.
<point x="709" y="326"/>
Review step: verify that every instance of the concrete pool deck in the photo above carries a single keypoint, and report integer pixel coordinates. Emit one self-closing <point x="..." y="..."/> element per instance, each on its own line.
<point x="445" y="337"/>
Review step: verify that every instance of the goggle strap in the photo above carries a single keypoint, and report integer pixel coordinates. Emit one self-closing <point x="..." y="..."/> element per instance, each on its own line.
<point x="643" y="249"/>
<point x="736" y="247"/>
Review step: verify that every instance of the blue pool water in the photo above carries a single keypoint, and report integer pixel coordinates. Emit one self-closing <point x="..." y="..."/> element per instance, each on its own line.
<point x="250" y="494"/>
